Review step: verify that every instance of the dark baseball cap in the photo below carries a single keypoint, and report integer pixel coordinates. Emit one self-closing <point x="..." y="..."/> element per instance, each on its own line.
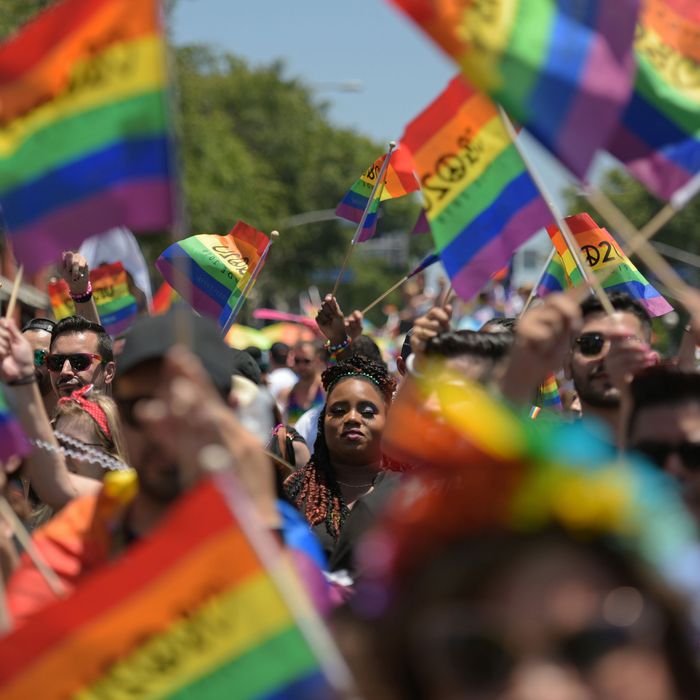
<point x="39" y="324"/>
<point x="152" y="337"/>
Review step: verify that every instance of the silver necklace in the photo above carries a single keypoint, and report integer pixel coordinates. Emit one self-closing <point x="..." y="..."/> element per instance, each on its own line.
<point x="80" y="451"/>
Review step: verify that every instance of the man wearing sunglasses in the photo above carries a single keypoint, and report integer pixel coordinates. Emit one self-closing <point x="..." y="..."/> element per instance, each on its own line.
<point x="605" y="351"/>
<point x="80" y="354"/>
<point x="664" y="425"/>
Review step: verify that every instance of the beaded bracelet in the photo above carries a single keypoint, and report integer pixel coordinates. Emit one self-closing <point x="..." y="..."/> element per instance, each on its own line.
<point x="335" y="349"/>
<point x="28" y="379"/>
<point x="82" y="298"/>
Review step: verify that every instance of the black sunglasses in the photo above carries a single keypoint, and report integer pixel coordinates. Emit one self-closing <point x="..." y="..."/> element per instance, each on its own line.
<point x="659" y="452"/>
<point x="78" y="361"/>
<point x="590" y="344"/>
<point x="40" y="357"/>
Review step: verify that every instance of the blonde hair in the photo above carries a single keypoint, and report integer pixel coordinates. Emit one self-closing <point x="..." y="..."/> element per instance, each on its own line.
<point x="116" y="446"/>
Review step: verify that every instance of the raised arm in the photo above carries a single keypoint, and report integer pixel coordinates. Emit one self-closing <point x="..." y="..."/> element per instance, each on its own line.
<point x="74" y="270"/>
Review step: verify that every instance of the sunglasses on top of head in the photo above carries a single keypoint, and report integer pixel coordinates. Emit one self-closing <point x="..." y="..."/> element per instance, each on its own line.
<point x="40" y="357"/>
<point x="79" y="361"/>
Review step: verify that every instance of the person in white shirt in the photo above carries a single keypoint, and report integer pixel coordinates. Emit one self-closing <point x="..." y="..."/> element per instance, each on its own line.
<point x="280" y="377"/>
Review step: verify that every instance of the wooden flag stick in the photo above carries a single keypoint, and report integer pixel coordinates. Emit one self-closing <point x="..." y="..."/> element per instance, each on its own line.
<point x="5" y="621"/>
<point x="533" y="293"/>
<point x="447" y="296"/>
<point x="47" y="573"/>
<point x="15" y="291"/>
<point x="648" y="254"/>
<point x="358" y="231"/>
<point x="381" y="297"/>
<point x="581" y="263"/>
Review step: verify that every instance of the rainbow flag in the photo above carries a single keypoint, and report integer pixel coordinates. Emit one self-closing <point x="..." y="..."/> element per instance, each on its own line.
<point x="481" y="202"/>
<point x="602" y="253"/>
<point x="549" y="394"/>
<point x="116" y="305"/>
<point x="659" y="136"/>
<point x="562" y="69"/>
<point x="84" y="129"/>
<point x="190" y="611"/>
<point x="399" y="180"/>
<point x="211" y="271"/>
<point x="163" y="299"/>
<point x="12" y="438"/>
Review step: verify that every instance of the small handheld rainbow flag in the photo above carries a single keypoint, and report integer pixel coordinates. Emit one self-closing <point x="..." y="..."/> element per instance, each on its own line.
<point x="561" y="69"/>
<point x="659" y="136"/>
<point x="602" y="253"/>
<point x="12" y="438"/>
<point x="89" y="78"/>
<point x="190" y="611"/>
<point x="116" y="305"/>
<point x="399" y="180"/>
<point x="481" y="202"/>
<point x="211" y="271"/>
<point x="549" y="394"/>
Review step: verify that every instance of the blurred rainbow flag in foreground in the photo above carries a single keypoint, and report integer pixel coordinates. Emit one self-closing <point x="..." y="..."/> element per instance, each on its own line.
<point x="85" y="140"/>
<point x="189" y="612"/>
<point x="603" y="254"/>
<point x="12" y="439"/>
<point x="211" y="271"/>
<point x="116" y="305"/>
<point x="399" y="180"/>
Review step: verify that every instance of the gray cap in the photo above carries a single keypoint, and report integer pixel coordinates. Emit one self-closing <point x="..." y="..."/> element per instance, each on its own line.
<point x="151" y="337"/>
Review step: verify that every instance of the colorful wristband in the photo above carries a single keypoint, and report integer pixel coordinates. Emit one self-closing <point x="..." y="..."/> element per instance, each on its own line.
<point x="82" y="298"/>
<point x="335" y="349"/>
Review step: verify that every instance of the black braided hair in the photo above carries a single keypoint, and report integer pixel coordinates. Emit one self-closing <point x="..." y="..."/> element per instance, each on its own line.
<point x="313" y="489"/>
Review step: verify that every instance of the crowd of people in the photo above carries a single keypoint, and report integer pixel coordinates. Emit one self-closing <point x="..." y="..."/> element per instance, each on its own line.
<point x="450" y="558"/>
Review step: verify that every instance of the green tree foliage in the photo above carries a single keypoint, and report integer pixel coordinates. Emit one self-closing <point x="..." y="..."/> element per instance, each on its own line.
<point x="257" y="146"/>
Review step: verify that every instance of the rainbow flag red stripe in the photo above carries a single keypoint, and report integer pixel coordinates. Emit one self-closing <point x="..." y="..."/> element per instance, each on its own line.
<point x="168" y="620"/>
<point x="399" y="180"/>
<point x="659" y="137"/>
<point x="481" y="202"/>
<point x="211" y="271"/>
<point x="563" y="70"/>
<point x="603" y="253"/>
<point x="87" y="77"/>
<point x="163" y="299"/>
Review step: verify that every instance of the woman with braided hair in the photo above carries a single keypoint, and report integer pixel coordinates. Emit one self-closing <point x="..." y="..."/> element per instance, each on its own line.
<point x="343" y="484"/>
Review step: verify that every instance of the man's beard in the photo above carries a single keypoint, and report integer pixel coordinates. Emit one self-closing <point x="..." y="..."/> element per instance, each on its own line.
<point x="597" y="398"/>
